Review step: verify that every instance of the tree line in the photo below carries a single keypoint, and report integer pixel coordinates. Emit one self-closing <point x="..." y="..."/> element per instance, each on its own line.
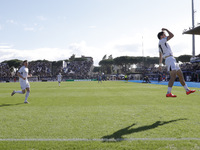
<point x="124" y="62"/>
<point x="106" y="64"/>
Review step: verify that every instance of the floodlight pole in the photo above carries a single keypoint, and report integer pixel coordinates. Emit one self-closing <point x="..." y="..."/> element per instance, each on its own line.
<point x="193" y="36"/>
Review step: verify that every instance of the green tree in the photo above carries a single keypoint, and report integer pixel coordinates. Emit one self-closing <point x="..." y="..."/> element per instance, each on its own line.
<point x="13" y="63"/>
<point x="104" y="57"/>
<point x="79" y="59"/>
<point x="151" y="61"/>
<point x="110" y="57"/>
<point x="97" y="69"/>
<point x="184" y="58"/>
<point x="106" y="65"/>
<point x="124" y="62"/>
<point x="55" y="66"/>
<point x="72" y="57"/>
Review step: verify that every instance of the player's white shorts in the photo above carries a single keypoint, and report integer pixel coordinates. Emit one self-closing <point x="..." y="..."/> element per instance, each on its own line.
<point x="24" y="84"/>
<point x="171" y="64"/>
<point x="59" y="81"/>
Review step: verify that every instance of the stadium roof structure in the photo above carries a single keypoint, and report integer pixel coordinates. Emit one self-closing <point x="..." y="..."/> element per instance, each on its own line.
<point x="195" y="31"/>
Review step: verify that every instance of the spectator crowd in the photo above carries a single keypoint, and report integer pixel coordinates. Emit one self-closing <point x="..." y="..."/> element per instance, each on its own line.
<point x="5" y="72"/>
<point x="78" y="69"/>
<point x="82" y="69"/>
<point x="191" y="72"/>
<point x="40" y="68"/>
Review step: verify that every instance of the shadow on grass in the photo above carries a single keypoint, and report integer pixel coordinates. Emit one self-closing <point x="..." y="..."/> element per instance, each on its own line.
<point x="118" y="135"/>
<point x="3" y="105"/>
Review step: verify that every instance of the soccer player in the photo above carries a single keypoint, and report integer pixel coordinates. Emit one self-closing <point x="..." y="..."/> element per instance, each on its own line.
<point x="59" y="78"/>
<point x="126" y="78"/>
<point x="172" y="66"/>
<point x="99" y="78"/>
<point x="23" y="79"/>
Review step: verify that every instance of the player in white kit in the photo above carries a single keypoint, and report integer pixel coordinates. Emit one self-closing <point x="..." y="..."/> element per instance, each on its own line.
<point x="23" y="79"/>
<point x="59" y="78"/>
<point x="172" y="66"/>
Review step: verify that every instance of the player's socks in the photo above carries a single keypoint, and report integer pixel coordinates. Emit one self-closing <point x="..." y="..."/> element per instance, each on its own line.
<point x="186" y="87"/>
<point x="188" y="91"/>
<point x="169" y="90"/>
<point x="26" y="96"/>
<point x="20" y="92"/>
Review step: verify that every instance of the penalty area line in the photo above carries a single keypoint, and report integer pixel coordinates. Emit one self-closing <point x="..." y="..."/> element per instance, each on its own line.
<point x="107" y="140"/>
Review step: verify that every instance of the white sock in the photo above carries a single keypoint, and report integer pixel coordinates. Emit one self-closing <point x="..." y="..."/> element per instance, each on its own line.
<point x="26" y="97"/>
<point x="169" y="90"/>
<point x="186" y="87"/>
<point x="20" y="92"/>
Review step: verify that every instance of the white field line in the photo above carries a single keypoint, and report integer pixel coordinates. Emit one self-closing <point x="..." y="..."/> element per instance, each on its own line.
<point x="107" y="140"/>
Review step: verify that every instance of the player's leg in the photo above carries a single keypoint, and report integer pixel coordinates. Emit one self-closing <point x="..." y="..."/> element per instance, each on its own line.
<point x="181" y="78"/>
<point x="23" y="87"/>
<point x="27" y="91"/>
<point x="19" y="92"/>
<point x="171" y="67"/>
<point x="182" y="81"/>
<point x="27" y="95"/>
<point x="13" y="92"/>
<point x="171" y="83"/>
<point x="172" y="79"/>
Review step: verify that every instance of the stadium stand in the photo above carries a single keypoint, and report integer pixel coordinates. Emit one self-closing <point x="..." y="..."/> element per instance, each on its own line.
<point x="5" y="73"/>
<point x="40" y="68"/>
<point x="82" y="69"/>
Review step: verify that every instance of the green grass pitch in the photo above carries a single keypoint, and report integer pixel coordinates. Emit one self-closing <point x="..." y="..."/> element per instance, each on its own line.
<point x="81" y="114"/>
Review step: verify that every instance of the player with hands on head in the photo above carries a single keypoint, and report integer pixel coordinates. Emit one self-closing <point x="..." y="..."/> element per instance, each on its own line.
<point x="166" y="53"/>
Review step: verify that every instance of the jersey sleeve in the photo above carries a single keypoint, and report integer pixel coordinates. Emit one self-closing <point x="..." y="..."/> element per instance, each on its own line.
<point x="20" y="70"/>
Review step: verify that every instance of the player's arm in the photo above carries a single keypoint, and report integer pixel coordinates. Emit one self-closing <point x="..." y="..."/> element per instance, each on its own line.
<point x="160" y="61"/>
<point x="170" y="35"/>
<point x="30" y="75"/>
<point x="20" y="76"/>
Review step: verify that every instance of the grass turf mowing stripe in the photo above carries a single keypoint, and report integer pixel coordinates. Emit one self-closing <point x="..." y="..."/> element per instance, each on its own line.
<point x="111" y="115"/>
<point x="109" y="140"/>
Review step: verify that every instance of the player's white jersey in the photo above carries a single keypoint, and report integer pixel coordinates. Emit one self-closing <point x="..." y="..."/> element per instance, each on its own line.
<point x="59" y="77"/>
<point x="24" y="72"/>
<point x="164" y="48"/>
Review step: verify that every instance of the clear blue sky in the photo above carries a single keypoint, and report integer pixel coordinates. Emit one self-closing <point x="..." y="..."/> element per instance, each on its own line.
<point x="56" y="29"/>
